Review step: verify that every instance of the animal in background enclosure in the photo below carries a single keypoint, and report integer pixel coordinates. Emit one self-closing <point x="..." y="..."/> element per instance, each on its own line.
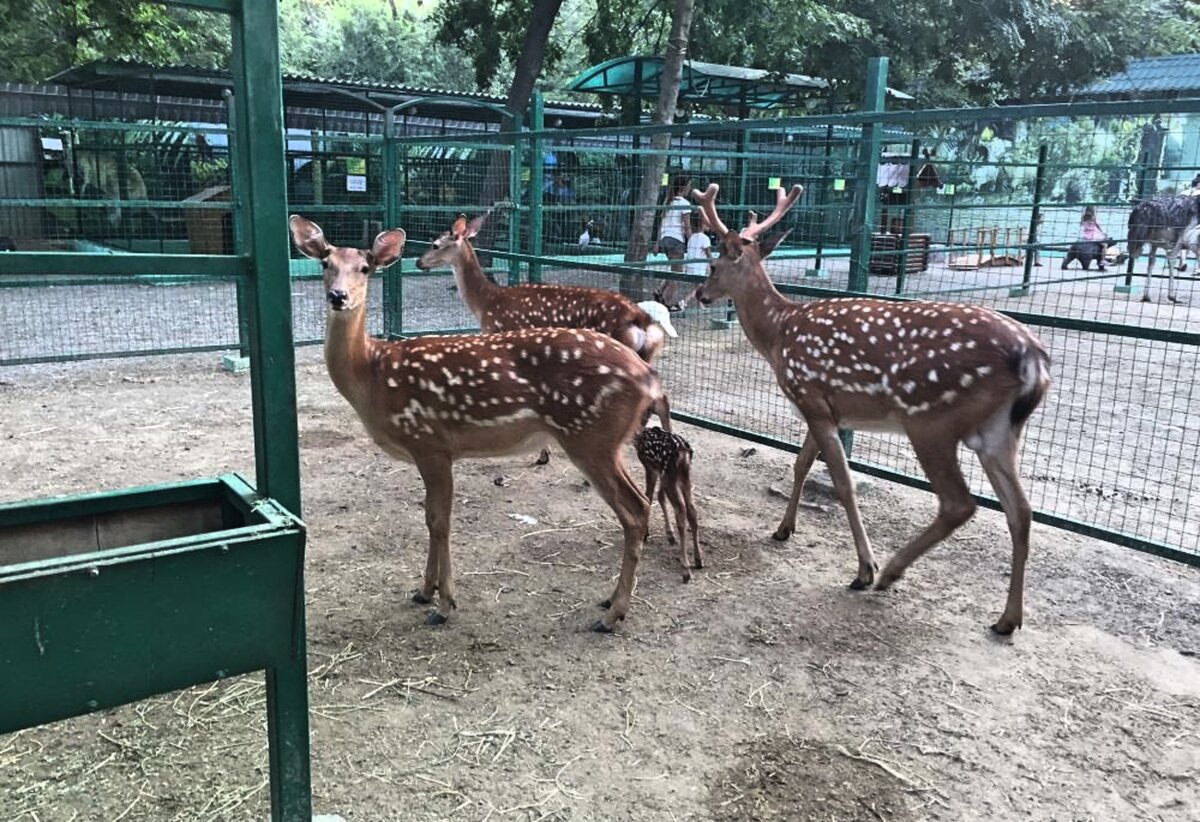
<point x="434" y="400"/>
<point x="501" y="308"/>
<point x="1086" y="253"/>
<point x="941" y="373"/>
<point x="1162" y="223"/>
<point x="98" y="174"/>
<point x="668" y="457"/>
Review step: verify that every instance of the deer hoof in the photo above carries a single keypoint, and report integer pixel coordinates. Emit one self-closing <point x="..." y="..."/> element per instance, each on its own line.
<point x="1146" y="298"/>
<point x="436" y="618"/>
<point x="687" y="575"/>
<point x="598" y="627"/>
<point x="782" y="534"/>
<point x="858" y="585"/>
<point x="420" y="598"/>
<point x="543" y="458"/>
<point x="1005" y="627"/>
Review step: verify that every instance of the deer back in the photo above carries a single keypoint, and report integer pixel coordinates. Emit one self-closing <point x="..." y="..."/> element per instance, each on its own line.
<point x="496" y="393"/>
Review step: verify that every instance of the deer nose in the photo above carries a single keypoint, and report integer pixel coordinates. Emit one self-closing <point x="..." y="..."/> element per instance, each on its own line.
<point x="700" y="296"/>
<point x="337" y="298"/>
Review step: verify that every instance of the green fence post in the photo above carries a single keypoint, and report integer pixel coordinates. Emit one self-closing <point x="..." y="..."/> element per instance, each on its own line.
<point x="906" y="227"/>
<point x="1139" y="194"/>
<point x="1035" y="222"/>
<point x="865" y="194"/>
<point x="537" y="160"/>
<point x="393" y="285"/>
<point x="514" y="198"/>
<point x="826" y="180"/>
<point x="236" y="218"/>
<point x="258" y="90"/>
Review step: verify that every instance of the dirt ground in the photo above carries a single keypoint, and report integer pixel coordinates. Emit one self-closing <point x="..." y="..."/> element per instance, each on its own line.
<point x="763" y="690"/>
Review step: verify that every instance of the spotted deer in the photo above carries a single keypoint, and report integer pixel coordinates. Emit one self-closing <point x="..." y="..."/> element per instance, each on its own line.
<point x="433" y="400"/>
<point x="507" y="308"/>
<point x="941" y="373"/>
<point x="668" y="457"/>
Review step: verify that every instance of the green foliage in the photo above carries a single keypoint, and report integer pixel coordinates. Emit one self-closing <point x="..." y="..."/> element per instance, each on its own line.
<point x="366" y="40"/>
<point x="42" y="37"/>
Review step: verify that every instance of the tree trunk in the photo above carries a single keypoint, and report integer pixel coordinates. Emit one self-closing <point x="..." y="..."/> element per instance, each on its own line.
<point x="525" y="74"/>
<point x="654" y="164"/>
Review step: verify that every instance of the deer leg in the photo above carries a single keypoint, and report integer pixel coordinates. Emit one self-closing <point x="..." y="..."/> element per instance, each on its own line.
<point x="1001" y="469"/>
<point x="424" y="594"/>
<point x="939" y="460"/>
<point x="1149" y="274"/>
<point x="690" y="506"/>
<point x="804" y="463"/>
<point x="662" y="502"/>
<point x="824" y="432"/>
<point x="672" y="492"/>
<point x="651" y="481"/>
<point x="662" y="407"/>
<point x="437" y="472"/>
<point x="610" y="479"/>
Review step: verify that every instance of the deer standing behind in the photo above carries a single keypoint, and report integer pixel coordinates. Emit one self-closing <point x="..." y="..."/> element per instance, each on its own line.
<point x="668" y="457"/>
<point x="1163" y="222"/>
<point x="508" y="308"/>
<point x="433" y="400"/>
<point x="941" y="373"/>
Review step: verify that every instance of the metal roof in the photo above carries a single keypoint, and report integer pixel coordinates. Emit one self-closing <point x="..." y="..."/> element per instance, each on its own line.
<point x="710" y="83"/>
<point x="299" y="90"/>
<point x="1151" y="76"/>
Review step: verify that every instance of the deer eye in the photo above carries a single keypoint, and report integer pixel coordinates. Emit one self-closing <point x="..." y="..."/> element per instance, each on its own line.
<point x="365" y="269"/>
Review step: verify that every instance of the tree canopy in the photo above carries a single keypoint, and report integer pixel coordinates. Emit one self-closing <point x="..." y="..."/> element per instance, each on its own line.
<point x="945" y="52"/>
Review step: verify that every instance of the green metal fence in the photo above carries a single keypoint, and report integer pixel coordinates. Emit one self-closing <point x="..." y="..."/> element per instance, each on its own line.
<point x="971" y="205"/>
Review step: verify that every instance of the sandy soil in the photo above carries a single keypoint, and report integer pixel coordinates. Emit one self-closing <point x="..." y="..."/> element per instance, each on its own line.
<point x="764" y="689"/>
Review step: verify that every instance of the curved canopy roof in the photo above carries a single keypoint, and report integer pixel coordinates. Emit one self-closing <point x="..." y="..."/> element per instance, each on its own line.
<point x="710" y="83"/>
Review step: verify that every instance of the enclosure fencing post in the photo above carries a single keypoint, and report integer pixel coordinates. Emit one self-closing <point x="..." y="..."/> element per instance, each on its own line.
<point x="906" y="228"/>
<point x="258" y="90"/>
<point x="514" y="199"/>
<point x="1035" y="221"/>
<point x="865" y="194"/>
<point x="537" y="160"/>
<point x="822" y="200"/>
<point x="742" y="195"/>
<point x="236" y="218"/>
<point x="393" y="285"/>
<point x="1139" y="194"/>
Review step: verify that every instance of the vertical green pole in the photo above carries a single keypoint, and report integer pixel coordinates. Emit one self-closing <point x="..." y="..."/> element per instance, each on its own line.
<point x="865" y="195"/>
<point x="743" y="194"/>
<point x="537" y="122"/>
<point x="514" y="198"/>
<point x="237" y="216"/>
<point x="393" y="286"/>
<point x="258" y="89"/>
<point x="822" y="200"/>
<point x="1035" y="220"/>
<point x="906" y="228"/>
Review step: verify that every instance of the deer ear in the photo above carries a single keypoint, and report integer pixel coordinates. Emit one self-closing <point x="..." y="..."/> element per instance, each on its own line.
<point x="767" y="244"/>
<point x="387" y="247"/>
<point x="308" y="238"/>
<point x="474" y="226"/>
<point x="459" y="227"/>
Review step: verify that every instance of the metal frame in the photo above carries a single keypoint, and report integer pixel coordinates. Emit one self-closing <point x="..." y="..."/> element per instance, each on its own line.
<point x="262" y="265"/>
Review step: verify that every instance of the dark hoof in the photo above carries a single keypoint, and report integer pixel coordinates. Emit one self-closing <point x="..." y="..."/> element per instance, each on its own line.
<point x="1003" y="628"/>
<point x="782" y="535"/>
<point x="419" y="597"/>
<point x="599" y="627"/>
<point x="606" y="604"/>
<point x="687" y="575"/>
<point x="858" y="585"/>
<point x="543" y="458"/>
<point x="436" y="618"/>
<point x="1146" y="298"/>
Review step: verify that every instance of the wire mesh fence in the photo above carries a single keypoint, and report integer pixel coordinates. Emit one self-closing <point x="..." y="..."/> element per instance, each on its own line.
<point x="990" y="207"/>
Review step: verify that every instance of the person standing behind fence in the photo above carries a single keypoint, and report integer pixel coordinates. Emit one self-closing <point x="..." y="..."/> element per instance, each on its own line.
<point x="699" y="247"/>
<point x="673" y="235"/>
<point x="1091" y="232"/>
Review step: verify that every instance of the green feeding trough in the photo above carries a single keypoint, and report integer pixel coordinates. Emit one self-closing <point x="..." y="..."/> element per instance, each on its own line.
<point x="106" y="598"/>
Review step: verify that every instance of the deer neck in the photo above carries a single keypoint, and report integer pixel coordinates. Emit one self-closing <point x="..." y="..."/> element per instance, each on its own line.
<point x="759" y="308"/>
<point x="348" y="353"/>
<point x="473" y="285"/>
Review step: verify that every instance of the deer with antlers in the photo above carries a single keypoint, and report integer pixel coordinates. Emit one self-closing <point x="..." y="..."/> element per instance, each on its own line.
<point x="508" y="308"/>
<point x="941" y="373"/>
<point x="433" y="400"/>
